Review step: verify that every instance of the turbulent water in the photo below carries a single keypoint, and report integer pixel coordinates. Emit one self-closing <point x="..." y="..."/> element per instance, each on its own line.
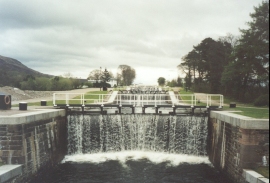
<point x="138" y="132"/>
<point x="140" y="148"/>
<point x="111" y="168"/>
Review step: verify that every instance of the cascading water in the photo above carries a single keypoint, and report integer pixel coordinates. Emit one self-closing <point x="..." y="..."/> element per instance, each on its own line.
<point x="137" y="132"/>
<point x="134" y="148"/>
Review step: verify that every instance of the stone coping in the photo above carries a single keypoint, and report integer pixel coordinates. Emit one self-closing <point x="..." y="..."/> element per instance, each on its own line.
<point x="8" y="172"/>
<point x="240" y="121"/>
<point x="254" y="177"/>
<point x="17" y="117"/>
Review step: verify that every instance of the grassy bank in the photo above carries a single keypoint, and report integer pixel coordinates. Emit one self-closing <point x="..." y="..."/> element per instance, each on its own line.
<point x="241" y="108"/>
<point x="263" y="170"/>
<point x="89" y="96"/>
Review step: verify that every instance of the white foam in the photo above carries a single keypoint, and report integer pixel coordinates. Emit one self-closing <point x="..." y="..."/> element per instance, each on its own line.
<point x="154" y="157"/>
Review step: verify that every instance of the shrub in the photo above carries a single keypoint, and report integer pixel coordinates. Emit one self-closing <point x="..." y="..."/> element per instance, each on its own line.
<point x="248" y="97"/>
<point x="262" y="100"/>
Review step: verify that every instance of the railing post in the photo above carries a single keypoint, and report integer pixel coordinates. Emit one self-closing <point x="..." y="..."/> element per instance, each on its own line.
<point x="82" y="99"/>
<point x="67" y="103"/>
<point x="155" y="99"/>
<point x="207" y="101"/>
<point x="120" y="102"/>
<point x="53" y="99"/>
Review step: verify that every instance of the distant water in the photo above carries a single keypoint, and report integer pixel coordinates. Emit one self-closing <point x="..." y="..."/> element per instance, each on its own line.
<point x="132" y="167"/>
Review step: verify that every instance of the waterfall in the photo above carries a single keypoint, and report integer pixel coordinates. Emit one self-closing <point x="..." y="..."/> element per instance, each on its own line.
<point x="136" y="132"/>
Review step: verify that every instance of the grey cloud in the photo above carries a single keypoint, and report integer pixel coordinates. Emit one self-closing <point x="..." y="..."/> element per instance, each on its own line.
<point x="58" y="36"/>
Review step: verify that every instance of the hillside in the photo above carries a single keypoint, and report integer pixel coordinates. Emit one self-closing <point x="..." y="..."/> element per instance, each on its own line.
<point x="12" y="72"/>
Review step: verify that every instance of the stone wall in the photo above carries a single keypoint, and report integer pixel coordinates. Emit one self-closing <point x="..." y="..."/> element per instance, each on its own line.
<point x="37" y="140"/>
<point x="236" y="143"/>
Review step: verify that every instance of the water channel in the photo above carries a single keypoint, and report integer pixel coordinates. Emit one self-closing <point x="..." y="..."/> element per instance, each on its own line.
<point x="134" y="148"/>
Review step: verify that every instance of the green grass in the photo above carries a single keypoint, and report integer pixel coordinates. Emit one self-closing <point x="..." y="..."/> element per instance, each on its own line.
<point x="49" y="103"/>
<point x="185" y="92"/>
<point x="254" y="112"/>
<point x="263" y="170"/>
<point x="185" y="96"/>
<point x="90" y="97"/>
<point x="248" y="110"/>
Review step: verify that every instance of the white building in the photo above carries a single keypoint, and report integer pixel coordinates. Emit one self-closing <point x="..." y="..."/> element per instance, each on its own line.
<point x="112" y="82"/>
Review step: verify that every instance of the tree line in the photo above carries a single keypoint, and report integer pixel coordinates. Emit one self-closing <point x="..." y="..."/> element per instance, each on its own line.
<point x="124" y="77"/>
<point x="173" y="83"/>
<point x="237" y="67"/>
<point x="57" y="83"/>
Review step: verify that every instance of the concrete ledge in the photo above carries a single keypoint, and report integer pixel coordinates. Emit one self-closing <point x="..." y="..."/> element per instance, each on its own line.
<point x="241" y="121"/>
<point x="112" y="97"/>
<point x="173" y="98"/>
<point x="31" y="116"/>
<point x="254" y="177"/>
<point x="9" y="171"/>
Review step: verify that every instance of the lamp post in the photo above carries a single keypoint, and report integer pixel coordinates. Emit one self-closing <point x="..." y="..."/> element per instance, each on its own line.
<point x="100" y="80"/>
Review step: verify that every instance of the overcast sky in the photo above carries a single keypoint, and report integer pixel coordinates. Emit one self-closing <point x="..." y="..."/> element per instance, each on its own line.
<point x="78" y="36"/>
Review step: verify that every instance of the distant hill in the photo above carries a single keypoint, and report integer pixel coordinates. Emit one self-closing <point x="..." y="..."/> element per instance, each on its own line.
<point x="12" y="72"/>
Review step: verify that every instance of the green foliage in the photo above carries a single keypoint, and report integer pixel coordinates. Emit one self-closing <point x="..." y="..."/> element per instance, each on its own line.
<point x="263" y="170"/>
<point x="248" y="70"/>
<point x="262" y="100"/>
<point x="89" y="84"/>
<point x="126" y="75"/>
<point x="201" y="86"/>
<point x="45" y="84"/>
<point x="106" y="76"/>
<point x="174" y="82"/>
<point x="13" y="72"/>
<point x="205" y="64"/>
<point x="161" y="81"/>
<point x="236" y="67"/>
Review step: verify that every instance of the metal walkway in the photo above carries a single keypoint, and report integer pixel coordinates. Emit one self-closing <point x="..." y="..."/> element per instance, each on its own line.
<point x="158" y="103"/>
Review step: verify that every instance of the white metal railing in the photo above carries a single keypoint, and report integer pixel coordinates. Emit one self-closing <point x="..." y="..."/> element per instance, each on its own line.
<point x="138" y="99"/>
<point x="200" y="99"/>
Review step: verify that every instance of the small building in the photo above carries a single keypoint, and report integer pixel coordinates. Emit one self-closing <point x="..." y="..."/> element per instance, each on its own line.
<point x="112" y="81"/>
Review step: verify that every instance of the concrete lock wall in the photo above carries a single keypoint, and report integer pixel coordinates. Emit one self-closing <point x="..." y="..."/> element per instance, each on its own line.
<point x="36" y="139"/>
<point x="237" y="142"/>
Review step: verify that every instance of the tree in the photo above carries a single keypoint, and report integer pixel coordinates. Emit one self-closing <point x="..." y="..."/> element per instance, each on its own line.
<point x="172" y="83"/>
<point x="231" y="39"/>
<point x="248" y="70"/>
<point x="185" y="66"/>
<point x="204" y="65"/>
<point x="161" y="81"/>
<point x="28" y="83"/>
<point x="67" y="75"/>
<point x="106" y="76"/>
<point x="95" y="75"/>
<point x="126" y="75"/>
<point x="179" y="81"/>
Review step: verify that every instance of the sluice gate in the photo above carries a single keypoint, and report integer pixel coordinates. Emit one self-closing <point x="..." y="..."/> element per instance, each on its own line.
<point x="138" y="103"/>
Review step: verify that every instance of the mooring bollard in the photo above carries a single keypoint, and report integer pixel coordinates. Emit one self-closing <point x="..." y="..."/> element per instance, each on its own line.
<point x="43" y="102"/>
<point x="23" y="106"/>
<point x="232" y="105"/>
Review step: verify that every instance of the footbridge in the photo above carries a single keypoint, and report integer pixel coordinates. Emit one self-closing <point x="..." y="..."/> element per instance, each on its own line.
<point x="122" y="102"/>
